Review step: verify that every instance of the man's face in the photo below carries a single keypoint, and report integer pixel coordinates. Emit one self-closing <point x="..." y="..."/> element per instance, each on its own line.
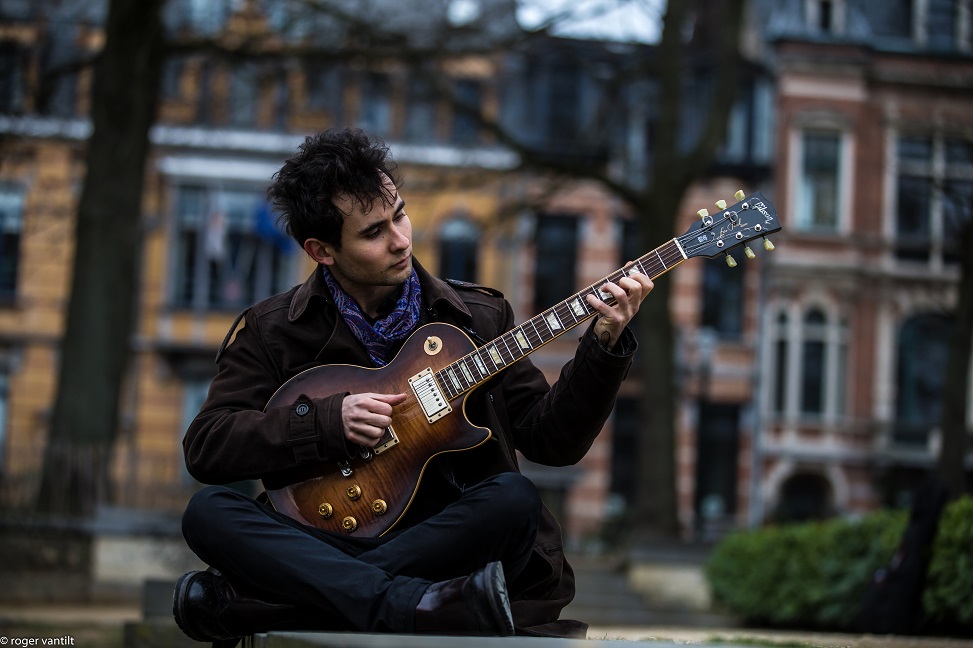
<point x="376" y="245"/>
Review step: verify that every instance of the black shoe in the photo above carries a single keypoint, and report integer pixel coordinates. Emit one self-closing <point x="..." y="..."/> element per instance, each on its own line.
<point x="471" y="605"/>
<point x="207" y="607"/>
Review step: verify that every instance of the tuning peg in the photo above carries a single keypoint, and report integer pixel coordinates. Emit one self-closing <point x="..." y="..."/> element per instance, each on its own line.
<point x="702" y="213"/>
<point x="749" y="252"/>
<point x="739" y="195"/>
<point x="730" y="261"/>
<point x="768" y="244"/>
<point x="721" y="204"/>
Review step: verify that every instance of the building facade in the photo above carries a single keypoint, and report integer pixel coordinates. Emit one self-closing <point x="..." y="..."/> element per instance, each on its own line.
<point x="807" y="379"/>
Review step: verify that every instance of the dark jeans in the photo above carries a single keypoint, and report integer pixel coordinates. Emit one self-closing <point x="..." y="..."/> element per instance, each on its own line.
<point x="371" y="584"/>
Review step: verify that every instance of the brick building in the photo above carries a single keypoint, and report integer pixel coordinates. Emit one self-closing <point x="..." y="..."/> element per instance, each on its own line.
<point x="798" y="393"/>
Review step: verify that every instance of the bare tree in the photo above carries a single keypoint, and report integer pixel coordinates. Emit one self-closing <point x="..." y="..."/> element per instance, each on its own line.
<point x="104" y="284"/>
<point x="100" y="316"/>
<point x="955" y="435"/>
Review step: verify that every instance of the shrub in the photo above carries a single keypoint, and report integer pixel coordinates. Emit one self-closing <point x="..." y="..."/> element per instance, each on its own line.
<point x="810" y="575"/>
<point x="814" y="575"/>
<point x="947" y="599"/>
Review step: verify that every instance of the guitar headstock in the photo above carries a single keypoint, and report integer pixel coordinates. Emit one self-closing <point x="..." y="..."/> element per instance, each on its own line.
<point x="751" y="218"/>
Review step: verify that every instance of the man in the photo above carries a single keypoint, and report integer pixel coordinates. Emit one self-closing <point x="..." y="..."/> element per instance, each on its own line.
<point x="476" y="552"/>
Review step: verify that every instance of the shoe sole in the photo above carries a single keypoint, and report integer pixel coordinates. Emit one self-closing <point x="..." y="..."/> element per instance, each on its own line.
<point x="499" y="602"/>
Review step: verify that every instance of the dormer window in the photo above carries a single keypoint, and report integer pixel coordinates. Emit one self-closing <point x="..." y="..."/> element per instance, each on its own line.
<point x="825" y="16"/>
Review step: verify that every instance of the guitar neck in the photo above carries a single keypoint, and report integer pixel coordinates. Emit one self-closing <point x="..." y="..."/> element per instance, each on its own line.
<point x="482" y="364"/>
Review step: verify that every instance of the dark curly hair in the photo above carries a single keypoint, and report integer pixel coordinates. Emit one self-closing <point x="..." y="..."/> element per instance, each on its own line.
<point x="328" y="165"/>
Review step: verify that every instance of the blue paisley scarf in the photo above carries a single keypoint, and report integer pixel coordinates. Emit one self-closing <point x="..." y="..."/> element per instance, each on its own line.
<point x="378" y="337"/>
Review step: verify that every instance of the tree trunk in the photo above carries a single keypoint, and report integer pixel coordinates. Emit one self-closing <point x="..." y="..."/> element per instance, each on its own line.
<point x="101" y="307"/>
<point x="656" y="511"/>
<point x="955" y="445"/>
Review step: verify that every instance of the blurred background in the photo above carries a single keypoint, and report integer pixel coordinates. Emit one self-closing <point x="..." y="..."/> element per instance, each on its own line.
<point x="544" y="144"/>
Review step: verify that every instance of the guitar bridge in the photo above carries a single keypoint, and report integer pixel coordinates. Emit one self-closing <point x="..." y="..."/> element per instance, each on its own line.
<point x="434" y="404"/>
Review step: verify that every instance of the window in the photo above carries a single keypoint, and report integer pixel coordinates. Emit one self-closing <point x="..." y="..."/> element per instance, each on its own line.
<point x="229" y="252"/>
<point x="244" y="95"/>
<point x="893" y="19"/>
<point x="625" y="449"/>
<point x="4" y="401"/>
<point x="13" y="82"/>
<point x="458" y="246"/>
<point x="722" y="298"/>
<point x="813" y="362"/>
<point x="11" y="226"/>
<point x="934" y="197"/>
<point x="717" y="453"/>
<point x="941" y="22"/>
<point x="922" y="358"/>
<point x="808" y="364"/>
<point x="466" y="127"/>
<point x="555" y="260"/>
<point x="420" y="111"/>
<point x="819" y="184"/>
<point x="376" y="104"/>
<point x="325" y="89"/>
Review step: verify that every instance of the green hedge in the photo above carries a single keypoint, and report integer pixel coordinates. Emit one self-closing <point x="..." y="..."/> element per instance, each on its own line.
<point x="814" y="575"/>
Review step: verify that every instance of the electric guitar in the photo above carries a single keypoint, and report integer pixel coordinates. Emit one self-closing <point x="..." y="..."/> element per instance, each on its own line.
<point x="438" y="367"/>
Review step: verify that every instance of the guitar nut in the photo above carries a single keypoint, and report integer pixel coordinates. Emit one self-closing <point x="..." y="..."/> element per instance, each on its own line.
<point x="353" y="492"/>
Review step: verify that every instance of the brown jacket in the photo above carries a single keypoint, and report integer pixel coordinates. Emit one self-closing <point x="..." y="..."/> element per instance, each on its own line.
<point x="234" y="439"/>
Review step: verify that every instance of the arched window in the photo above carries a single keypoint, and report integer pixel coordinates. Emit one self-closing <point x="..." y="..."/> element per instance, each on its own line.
<point x="458" y="247"/>
<point x="923" y="354"/>
<point x="778" y="386"/>
<point x="813" y="362"/>
<point x="807" y="364"/>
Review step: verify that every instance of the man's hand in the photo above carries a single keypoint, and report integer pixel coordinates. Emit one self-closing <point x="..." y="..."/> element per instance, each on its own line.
<point x="628" y="294"/>
<point x="365" y="416"/>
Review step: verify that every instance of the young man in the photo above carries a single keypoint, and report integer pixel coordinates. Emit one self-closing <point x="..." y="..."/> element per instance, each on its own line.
<point x="476" y="551"/>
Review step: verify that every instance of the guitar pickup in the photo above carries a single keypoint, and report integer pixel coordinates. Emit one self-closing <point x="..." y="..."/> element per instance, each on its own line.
<point x="388" y="440"/>
<point x="431" y="399"/>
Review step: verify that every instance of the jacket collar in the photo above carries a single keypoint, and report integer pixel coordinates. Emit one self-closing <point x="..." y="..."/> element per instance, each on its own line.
<point x="435" y="293"/>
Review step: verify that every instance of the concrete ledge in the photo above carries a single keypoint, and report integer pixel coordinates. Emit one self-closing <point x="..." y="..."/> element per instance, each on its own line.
<point x="362" y="640"/>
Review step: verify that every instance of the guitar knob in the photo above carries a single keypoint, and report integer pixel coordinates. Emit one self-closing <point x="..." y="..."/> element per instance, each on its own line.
<point x="739" y="195"/>
<point x="702" y="213"/>
<point x="379" y="507"/>
<point x="353" y="492"/>
<point x="721" y="204"/>
<point x="349" y="524"/>
<point x="749" y="252"/>
<point x="768" y="244"/>
<point x="730" y="261"/>
<point x="325" y="510"/>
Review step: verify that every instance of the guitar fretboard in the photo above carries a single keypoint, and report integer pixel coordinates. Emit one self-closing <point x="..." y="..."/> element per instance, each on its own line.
<point x="480" y="365"/>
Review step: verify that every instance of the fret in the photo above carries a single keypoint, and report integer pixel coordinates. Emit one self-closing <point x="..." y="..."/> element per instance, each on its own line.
<point x="521" y="339"/>
<point x="506" y="344"/>
<point x="479" y="365"/>
<point x="553" y="321"/>
<point x="577" y="308"/>
<point x="533" y="324"/>
<point x="467" y="374"/>
<point x="452" y="378"/>
<point x="495" y="356"/>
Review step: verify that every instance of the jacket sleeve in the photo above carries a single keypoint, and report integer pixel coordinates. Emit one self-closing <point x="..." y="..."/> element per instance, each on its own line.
<point x="233" y="438"/>
<point x="556" y="425"/>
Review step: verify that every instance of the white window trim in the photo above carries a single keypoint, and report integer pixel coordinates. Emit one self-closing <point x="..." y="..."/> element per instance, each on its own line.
<point x="845" y="175"/>
<point x="835" y="339"/>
